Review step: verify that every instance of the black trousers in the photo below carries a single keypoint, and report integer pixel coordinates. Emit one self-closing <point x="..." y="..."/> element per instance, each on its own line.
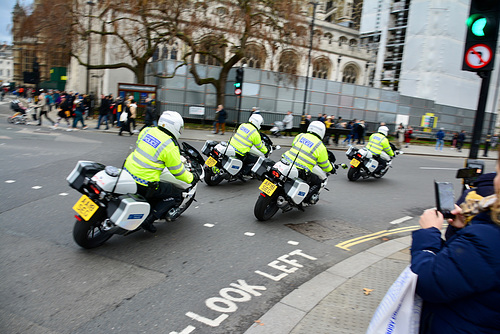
<point x="161" y="195"/>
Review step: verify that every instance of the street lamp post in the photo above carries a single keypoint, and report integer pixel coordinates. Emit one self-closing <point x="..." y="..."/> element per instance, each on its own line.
<point x="309" y="57"/>
<point x="91" y="4"/>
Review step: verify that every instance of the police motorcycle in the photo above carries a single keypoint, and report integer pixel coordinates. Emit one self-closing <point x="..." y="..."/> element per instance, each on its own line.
<point x="110" y="204"/>
<point x="282" y="188"/>
<point x="223" y="162"/>
<point x="363" y="163"/>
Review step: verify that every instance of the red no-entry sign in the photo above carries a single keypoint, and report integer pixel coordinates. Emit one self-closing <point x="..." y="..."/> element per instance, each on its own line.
<point x="478" y="56"/>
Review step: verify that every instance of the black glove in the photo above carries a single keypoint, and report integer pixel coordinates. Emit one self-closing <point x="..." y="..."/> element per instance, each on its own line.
<point x="196" y="178"/>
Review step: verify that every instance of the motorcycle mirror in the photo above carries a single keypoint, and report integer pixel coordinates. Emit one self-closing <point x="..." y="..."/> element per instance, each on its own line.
<point x="344" y="166"/>
<point x="277" y="147"/>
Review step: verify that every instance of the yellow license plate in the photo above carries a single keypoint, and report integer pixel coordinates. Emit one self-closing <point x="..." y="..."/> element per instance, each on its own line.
<point x="85" y="207"/>
<point x="355" y="162"/>
<point x="268" y="187"/>
<point x="210" y="162"/>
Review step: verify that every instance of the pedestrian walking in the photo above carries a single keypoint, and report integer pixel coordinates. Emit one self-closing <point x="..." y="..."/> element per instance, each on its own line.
<point x="125" y="120"/>
<point x="103" y="113"/>
<point x="460" y="140"/>
<point x="79" y="113"/>
<point x="64" y="112"/>
<point x="149" y="116"/>
<point x="221" y="119"/>
<point x="440" y="139"/>
<point x="288" y="123"/>
<point x="44" y="109"/>
<point x="400" y="134"/>
<point x="408" y="135"/>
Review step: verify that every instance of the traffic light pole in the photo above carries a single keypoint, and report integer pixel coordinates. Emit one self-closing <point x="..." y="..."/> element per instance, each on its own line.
<point x="479" y="120"/>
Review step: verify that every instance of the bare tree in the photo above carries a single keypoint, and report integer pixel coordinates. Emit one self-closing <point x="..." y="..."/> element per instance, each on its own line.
<point x="133" y="28"/>
<point x="222" y="32"/>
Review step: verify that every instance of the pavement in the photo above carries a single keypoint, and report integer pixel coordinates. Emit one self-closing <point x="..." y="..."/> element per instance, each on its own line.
<point x="343" y="298"/>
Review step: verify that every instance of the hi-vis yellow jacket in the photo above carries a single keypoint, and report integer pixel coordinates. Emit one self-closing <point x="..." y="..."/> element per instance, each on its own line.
<point x="155" y="151"/>
<point x="308" y="151"/>
<point x="378" y="143"/>
<point x="245" y="137"/>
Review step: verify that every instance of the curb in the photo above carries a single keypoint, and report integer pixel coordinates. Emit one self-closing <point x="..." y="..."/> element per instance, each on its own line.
<point x="285" y="315"/>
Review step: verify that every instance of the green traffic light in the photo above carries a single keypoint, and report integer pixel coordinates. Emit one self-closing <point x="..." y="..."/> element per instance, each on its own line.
<point x="477" y="24"/>
<point x="477" y="27"/>
<point x="237" y="84"/>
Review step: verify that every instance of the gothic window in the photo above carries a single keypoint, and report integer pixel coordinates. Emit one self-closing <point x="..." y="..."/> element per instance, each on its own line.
<point x="321" y="68"/>
<point x="288" y="62"/>
<point x="353" y="42"/>
<point x="164" y="54"/>
<point x="350" y="74"/>
<point x="209" y="48"/>
<point x="156" y="54"/>
<point x="329" y="37"/>
<point x="254" y="56"/>
<point x="173" y="54"/>
<point x="342" y="40"/>
<point x="221" y="12"/>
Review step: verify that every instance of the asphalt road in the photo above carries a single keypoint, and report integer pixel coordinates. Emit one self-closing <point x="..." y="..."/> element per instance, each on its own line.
<point x="214" y="270"/>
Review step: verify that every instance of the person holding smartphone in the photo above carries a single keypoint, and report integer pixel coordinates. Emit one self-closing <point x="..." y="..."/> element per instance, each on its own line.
<point x="459" y="279"/>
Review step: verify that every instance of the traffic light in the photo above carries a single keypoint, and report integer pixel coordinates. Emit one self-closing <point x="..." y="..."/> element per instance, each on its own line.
<point x="238" y="84"/>
<point x="482" y="35"/>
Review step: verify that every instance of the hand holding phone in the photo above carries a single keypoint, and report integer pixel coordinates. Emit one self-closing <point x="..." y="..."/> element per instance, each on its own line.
<point x="445" y="198"/>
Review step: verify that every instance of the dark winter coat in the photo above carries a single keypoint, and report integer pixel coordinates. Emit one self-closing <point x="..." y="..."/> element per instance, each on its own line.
<point x="222" y="116"/>
<point x="459" y="280"/>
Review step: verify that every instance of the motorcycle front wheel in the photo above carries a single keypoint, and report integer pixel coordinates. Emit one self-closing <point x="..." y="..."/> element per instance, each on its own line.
<point x="266" y="207"/>
<point x="212" y="178"/>
<point x="10" y="120"/>
<point x="353" y="173"/>
<point x="90" y="234"/>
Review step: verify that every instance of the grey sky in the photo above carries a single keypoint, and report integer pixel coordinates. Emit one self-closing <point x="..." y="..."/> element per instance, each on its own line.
<point x="6" y="18"/>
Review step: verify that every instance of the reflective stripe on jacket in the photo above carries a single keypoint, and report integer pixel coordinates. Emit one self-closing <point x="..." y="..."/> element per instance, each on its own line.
<point x="378" y="143"/>
<point x="308" y="151"/>
<point x="155" y="151"/>
<point x="245" y="137"/>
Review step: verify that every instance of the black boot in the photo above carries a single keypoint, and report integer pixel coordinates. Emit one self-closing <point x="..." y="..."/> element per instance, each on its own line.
<point x="147" y="224"/>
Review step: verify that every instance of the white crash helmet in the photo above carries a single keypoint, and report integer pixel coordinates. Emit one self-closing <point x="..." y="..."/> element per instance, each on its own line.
<point x="256" y="120"/>
<point x="172" y="121"/>
<point x="383" y="130"/>
<point x="317" y="127"/>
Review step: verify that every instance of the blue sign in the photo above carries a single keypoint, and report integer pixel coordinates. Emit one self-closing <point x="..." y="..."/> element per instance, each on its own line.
<point x="135" y="216"/>
<point x="306" y="142"/>
<point x="151" y="140"/>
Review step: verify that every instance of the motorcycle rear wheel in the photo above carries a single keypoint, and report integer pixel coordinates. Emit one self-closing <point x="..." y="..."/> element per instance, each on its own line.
<point x="353" y="173"/>
<point x="265" y="207"/>
<point x="89" y="234"/>
<point x="211" y="178"/>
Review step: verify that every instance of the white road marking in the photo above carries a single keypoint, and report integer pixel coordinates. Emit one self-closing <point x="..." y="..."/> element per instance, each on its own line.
<point x="438" y="168"/>
<point x="295" y="243"/>
<point x="209" y="225"/>
<point x="400" y="220"/>
<point x="249" y="234"/>
<point x="10" y="181"/>
<point x="36" y="187"/>
<point x="63" y="194"/>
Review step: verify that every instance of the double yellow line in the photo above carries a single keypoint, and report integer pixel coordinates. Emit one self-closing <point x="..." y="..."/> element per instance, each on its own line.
<point x="349" y="243"/>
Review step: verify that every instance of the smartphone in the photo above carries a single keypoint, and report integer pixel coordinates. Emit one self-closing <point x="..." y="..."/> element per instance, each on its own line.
<point x="445" y="198"/>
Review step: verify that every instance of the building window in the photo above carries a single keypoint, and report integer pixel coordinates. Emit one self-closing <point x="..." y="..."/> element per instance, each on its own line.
<point x="350" y="74"/>
<point x="209" y="48"/>
<point x="329" y="38"/>
<point x="173" y="54"/>
<point x="254" y="56"/>
<point x="321" y="68"/>
<point x="288" y="62"/>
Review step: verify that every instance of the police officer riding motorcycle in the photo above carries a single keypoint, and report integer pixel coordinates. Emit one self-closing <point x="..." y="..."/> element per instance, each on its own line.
<point x="245" y="138"/>
<point x="374" y="159"/>
<point x="157" y="148"/>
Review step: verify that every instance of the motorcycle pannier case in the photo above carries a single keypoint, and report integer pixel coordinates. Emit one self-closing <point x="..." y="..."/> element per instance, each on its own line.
<point x="297" y="190"/>
<point x="129" y="212"/>
<point x="232" y="165"/>
<point x="262" y="165"/>
<point x="82" y="170"/>
<point x="208" y="146"/>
